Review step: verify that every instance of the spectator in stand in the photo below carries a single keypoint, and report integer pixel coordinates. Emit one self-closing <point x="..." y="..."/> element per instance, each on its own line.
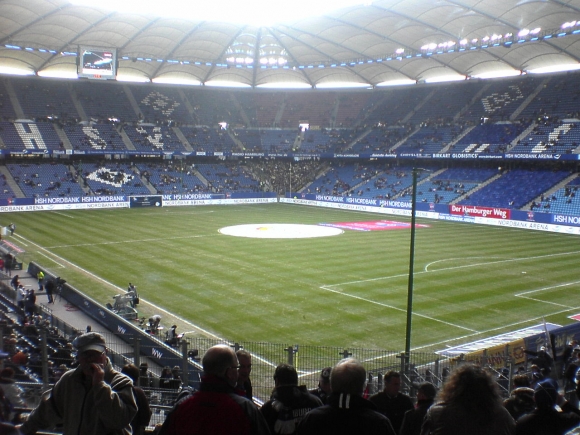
<point x="571" y="389"/>
<point x="176" y="374"/>
<point x="14" y="282"/>
<point x="544" y="419"/>
<point x="165" y="377"/>
<point x="12" y="392"/>
<point x="391" y="402"/>
<point x="542" y="359"/>
<point x="289" y="402"/>
<point x="20" y="358"/>
<point x="92" y="399"/>
<point x="323" y="390"/>
<point x="521" y="400"/>
<point x="244" y="384"/>
<point x="20" y="296"/>
<point x="29" y="303"/>
<point x="216" y="408"/>
<point x="469" y="404"/>
<point x="413" y="419"/>
<point x="143" y="416"/>
<point x="144" y="377"/>
<point x="347" y="412"/>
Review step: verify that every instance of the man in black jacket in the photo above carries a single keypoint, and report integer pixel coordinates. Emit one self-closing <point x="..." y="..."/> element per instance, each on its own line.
<point x="289" y="402"/>
<point x="347" y="411"/>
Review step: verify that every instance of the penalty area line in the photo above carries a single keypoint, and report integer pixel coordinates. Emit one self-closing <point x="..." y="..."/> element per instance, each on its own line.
<point x="398" y="309"/>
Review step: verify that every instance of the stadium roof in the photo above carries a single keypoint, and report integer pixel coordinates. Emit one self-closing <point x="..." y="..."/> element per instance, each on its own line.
<point x="380" y="42"/>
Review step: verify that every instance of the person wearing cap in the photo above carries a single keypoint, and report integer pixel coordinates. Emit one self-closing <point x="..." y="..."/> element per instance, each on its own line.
<point x="545" y="419"/>
<point x="413" y="419"/>
<point x="216" y="409"/>
<point x="323" y="390"/>
<point x="93" y="399"/>
<point x="289" y="402"/>
<point x="347" y="412"/>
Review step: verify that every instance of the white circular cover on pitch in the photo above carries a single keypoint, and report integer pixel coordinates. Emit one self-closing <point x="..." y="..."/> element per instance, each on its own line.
<point x="280" y="231"/>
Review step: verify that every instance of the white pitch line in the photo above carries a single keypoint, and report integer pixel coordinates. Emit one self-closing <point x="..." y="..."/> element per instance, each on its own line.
<point x="499" y="328"/>
<point x="21" y="238"/>
<point x="98" y="278"/>
<point x="131" y="241"/>
<point x="64" y="214"/>
<point x="50" y="258"/>
<point x="449" y="268"/>
<point x="522" y="294"/>
<point x="397" y="309"/>
<point x="547" y="288"/>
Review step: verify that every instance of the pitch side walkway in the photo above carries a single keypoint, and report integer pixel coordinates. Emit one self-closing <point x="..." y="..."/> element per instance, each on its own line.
<point x="73" y="316"/>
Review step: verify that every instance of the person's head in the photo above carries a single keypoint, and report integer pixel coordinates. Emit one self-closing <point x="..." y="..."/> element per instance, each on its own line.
<point x="521" y="381"/>
<point x="132" y="371"/>
<point x="245" y="363"/>
<point x="426" y="392"/>
<point x="546" y="394"/>
<point x="285" y="374"/>
<point x="348" y="376"/>
<point x="392" y="382"/>
<point x="221" y="361"/>
<point x="324" y="380"/>
<point x="7" y="373"/>
<point x="470" y="387"/>
<point x="91" y="349"/>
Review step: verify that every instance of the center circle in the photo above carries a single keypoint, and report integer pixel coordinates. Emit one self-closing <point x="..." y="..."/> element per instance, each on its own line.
<point x="280" y="231"/>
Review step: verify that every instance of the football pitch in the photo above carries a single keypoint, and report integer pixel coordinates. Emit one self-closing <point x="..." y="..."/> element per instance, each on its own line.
<point x="349" y="289"/>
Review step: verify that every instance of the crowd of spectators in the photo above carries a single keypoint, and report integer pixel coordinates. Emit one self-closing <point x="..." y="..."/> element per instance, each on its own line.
<point x="466" y="399"/>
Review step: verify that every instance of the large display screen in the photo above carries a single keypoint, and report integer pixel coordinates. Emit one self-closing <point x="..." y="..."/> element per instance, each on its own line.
<point x="97" y="63"/>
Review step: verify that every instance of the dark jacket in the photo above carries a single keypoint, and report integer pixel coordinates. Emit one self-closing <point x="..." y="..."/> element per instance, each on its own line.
<point x="345" y="414"/>
<point x="393" y="408"/>
<point x="215" y="409"/>
<point x="288" y="405"/>
<point x="520" y="402"/>
<point x="546" y="422"/>
<point x="144" y="412"/>
<point x="413" y="419"/>
<point x="446" y="420"/>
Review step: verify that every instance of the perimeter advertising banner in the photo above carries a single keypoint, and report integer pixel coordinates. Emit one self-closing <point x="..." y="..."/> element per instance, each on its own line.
<point x="478" y="211"/>
<point x="146" y="201"/>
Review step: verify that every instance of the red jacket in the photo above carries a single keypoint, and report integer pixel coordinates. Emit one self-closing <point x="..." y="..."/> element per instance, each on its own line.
<point x="216" y="409"/>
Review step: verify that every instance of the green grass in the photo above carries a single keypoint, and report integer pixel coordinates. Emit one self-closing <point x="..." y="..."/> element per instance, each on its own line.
<point x="348" y="290"/>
